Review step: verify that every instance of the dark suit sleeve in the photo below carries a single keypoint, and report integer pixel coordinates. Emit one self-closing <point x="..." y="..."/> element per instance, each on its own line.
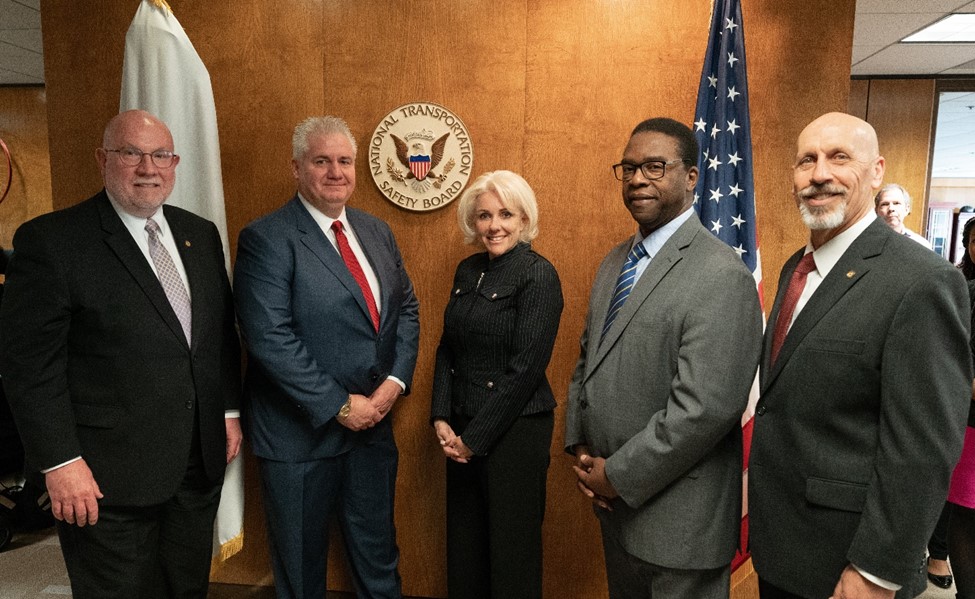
<point x="263" y="277"/>
<point x="408" y="325"/>
<point x="923" y="403"/>
<point x="230" y="344"/>
<point x="719" y="346"/>
<point x="34" y="321"/>
<point x="537" y="324"/>
<point x="442" y="381"/>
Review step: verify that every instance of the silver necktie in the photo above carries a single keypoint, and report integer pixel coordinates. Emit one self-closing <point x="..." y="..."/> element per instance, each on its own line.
<point x="169" y="277"/>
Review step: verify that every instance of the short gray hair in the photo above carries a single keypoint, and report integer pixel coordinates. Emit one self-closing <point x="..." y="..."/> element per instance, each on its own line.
<point x="515" y="194"/>
<point x="893" y="187"/>
<point x="318" y="125"/>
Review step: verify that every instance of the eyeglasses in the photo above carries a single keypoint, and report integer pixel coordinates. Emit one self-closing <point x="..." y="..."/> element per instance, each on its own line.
<point x="651" y="169"/>
<point x="133" y="157"/>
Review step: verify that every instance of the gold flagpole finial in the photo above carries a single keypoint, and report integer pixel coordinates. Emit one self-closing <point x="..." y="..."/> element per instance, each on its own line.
<point x="162" y="5"/>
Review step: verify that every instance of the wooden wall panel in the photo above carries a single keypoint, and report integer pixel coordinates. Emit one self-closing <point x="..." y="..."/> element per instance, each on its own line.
<point x="859" y="95"/>
<point x="546" y="88"/>
<point x="23" y="127"/>
<point x="902" y="111"/>
<point x="798" y="68"/>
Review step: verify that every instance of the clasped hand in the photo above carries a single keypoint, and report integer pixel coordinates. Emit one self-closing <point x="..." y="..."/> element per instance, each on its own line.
<point x="592" y="481"/>
<point x="367" y="412"/>
<point x="453" y="446"/>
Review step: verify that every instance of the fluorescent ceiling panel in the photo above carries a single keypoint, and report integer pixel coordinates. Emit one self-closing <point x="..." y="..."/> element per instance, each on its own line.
<point x="953" y="28"/>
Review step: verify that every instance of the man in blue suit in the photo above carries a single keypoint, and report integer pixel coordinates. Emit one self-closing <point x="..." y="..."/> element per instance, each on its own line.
<point x="331" y="327"/>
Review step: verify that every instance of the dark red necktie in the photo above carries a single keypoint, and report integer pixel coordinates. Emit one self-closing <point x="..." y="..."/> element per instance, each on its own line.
<point x="355" y="269"/>
<point x="784" y="319"/>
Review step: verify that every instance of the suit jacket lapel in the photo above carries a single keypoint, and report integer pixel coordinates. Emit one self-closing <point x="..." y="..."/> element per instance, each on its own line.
<point x="661" y="264"/>
<point x="314" y="239"/>
<point x="121" y="243"/>
<point x="847" y="272"/>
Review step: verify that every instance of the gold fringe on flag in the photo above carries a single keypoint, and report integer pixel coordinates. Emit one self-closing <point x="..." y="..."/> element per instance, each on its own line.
<point x="229" y="549"/>
<point x="162" y="5"/>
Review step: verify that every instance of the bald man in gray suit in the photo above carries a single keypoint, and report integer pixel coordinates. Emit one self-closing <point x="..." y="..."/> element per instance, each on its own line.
<point x="668" y="355"/>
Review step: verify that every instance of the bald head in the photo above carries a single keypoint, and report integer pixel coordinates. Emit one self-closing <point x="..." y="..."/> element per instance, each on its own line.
<point x="838" y="168"/>
<point x="140" y="189"/>
<point x="131" y="119"/>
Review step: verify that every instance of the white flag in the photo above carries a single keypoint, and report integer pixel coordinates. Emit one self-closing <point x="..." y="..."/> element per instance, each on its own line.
<point x="163" y="74"/>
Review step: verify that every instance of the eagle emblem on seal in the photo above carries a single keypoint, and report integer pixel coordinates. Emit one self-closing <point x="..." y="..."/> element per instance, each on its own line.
<point x="420" y="159"/>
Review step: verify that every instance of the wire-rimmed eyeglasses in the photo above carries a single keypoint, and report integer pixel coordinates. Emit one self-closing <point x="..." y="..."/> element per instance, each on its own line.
<point x="133" y="156"/>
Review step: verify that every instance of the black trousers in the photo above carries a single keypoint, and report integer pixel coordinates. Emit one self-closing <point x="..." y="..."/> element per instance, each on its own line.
<point x="938" y="544"/>
<point x="495" y="508"/>
<point x="156" y="552"/>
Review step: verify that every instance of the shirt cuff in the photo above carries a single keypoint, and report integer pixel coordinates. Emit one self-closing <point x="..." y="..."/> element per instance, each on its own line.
<point x="62" y="464"/>
<point x="401" y="384"/>
<point x="880" y="582"/>
<point x="231" y="414"/>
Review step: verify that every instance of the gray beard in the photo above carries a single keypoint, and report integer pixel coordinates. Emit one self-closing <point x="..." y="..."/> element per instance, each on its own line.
<point x="820" y="220"/>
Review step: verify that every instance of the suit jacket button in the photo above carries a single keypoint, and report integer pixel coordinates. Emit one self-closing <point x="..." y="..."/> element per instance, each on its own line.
<point x="761" y="410"/>
<point x="494" y="296"/>
<point x="490" y="384"/>
<point x="189" y="404"/>
<point x="583" y="404"/>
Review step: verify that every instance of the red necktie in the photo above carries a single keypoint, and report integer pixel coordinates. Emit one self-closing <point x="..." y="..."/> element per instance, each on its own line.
<point x="356" y="271"/>
<point x="784" y="319"/>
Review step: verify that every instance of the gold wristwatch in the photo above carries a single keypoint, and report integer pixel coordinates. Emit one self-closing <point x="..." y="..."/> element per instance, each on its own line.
<point x="346" y="409"/>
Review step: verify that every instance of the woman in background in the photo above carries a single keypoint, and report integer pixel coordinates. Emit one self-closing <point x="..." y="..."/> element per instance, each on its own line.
<point x="961" y="493"/>
<point x="492" y="405"/>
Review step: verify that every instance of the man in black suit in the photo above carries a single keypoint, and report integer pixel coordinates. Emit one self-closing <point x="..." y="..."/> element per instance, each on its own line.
<point x="865" y="380"/>
<point x="121" y="361"/>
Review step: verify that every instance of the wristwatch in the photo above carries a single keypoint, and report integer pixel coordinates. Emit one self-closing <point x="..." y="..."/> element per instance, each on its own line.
<point x="346" y="409"/>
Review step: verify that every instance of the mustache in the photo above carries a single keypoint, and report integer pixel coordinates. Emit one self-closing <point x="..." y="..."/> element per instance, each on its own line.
<point x="818" y="189"/>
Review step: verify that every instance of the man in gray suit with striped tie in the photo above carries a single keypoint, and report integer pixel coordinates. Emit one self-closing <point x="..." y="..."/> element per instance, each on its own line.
<point x="668" y="355"/>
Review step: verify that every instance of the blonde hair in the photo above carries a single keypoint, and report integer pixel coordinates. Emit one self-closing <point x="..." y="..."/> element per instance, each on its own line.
<point x="515" y="195"/>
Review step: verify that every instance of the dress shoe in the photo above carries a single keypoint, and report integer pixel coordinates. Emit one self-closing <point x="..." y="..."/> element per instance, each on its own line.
<point x="940" y="580"/>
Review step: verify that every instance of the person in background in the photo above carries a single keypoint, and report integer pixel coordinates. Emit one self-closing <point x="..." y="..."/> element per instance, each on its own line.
<point x="893" y="204"/>
<point x="863" y="320"/>
<point x="961" y="493"/>
<point x="667" y="357"/>
<point x="967" y="263"/>
<point x="492" y="404"/>
<point x="331" y="327"/>
<point x="121" y="362"/>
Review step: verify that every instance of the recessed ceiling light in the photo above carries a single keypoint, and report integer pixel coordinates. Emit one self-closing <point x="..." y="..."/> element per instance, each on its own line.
<point x="957" y="28"/>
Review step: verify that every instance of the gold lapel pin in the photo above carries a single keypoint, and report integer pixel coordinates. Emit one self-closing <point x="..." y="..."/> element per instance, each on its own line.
<point x="187" y="243"/>
<point x="850" y="274"/>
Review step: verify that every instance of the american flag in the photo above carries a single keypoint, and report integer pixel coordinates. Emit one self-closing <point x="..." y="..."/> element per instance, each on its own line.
<point x="725" y="194"/>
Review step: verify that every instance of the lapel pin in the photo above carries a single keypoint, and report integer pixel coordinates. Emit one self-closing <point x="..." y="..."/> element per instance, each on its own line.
<point x="850" y="274"/>
<point x="187" y="243"/>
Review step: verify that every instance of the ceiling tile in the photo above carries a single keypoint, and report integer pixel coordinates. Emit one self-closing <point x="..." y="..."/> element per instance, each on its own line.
<point x="16" y="15"/>
<point x="915" y="59"/>
<point x="28" y="39"/>
<point x="902" y="6"/>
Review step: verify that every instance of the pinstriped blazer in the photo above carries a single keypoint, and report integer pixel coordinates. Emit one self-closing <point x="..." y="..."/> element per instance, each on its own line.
<point x="499" y="329"/>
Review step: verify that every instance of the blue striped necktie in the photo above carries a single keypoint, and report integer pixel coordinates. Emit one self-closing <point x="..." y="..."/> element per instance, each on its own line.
<point x="624" y="284"/>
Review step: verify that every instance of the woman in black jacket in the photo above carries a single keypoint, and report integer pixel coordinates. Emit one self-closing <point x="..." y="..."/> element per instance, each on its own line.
<point x="492" y="404"/>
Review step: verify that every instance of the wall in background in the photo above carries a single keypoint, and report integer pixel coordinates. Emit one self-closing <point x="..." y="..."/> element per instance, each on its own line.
<point x="23" y="127"/>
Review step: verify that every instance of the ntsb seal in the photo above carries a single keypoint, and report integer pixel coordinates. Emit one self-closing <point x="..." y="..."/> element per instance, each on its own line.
<point x="420" y="156"/>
